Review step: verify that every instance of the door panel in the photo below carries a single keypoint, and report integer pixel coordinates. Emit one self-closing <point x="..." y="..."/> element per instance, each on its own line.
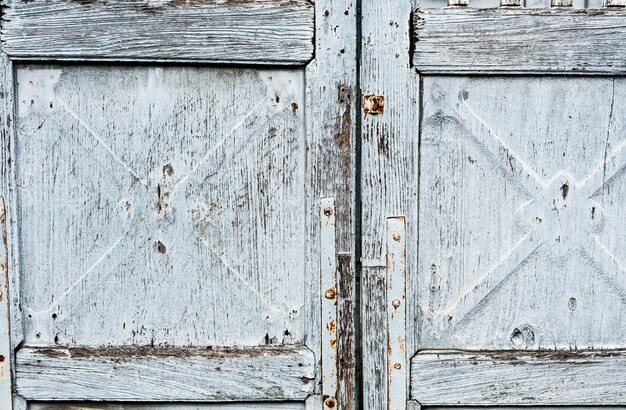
<point x="163" y="165"/>
<point x="511" y="183"/>
<point x="521" y="214"/>
<point x="520" y="276"/>
<point x="186" y="179"/>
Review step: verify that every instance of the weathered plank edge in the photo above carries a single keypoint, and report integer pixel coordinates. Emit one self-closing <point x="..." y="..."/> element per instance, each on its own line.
<point x="7" y="191"/>
<point x="388" y="176"/>
<point x="484" y="41"/>
<point x="330" y="158"/>
<point x="6" y="379"/>
<point x="165" y="374"/>
<point x="270" y="32"/>
<point x="494" y="378"/>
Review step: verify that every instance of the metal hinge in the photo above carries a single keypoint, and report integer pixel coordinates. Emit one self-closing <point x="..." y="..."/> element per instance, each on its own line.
<point x="328" y="273"/>
<point x="396" y="314"/>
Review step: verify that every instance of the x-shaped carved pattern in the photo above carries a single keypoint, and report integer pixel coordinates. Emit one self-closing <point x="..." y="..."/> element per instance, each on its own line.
<point x="562" y="214"/>
<point x="254" y="111"/>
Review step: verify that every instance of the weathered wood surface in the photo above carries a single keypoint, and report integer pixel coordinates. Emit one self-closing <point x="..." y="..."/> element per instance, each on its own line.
<point x="519" y="41"/>
<point x="388" y="177"/>
<point x="331" y="93"/>
<point x="158" y="374"/>
<point x="8" y="193"/>
<point x="542" y="407"/>
<point x="522" y="223"/>
<point x="259" y="32"/>
<point x="6" y="350"/>
<point x="172" y="214"/>
<point x="519" y="378"/>
<point x="170" y="406"/>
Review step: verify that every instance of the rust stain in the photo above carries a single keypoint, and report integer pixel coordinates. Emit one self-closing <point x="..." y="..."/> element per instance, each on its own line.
<point x="331" y="293"/>
<point x="373" y="104"/>
<point x="331" y="326"/>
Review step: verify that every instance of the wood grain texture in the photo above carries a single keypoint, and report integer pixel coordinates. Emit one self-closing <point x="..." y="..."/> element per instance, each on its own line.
<point x="331" y="91"/>
<point x="388" y="175"/>
<point x="169" y="406"/>
<point x="8" y="193"/>
<point x="522" y="235"/>
<point x="153" y="185"/>
<point x="6" y="351"/>
<point x="519" y="378"/>
<point x="346" y="338"/>
<point x="519" y="41"/>
<point x="153" y="374"/>
<point x="259" y="32"/>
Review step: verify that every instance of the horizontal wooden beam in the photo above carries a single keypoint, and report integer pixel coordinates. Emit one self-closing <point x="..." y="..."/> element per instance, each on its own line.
<point x="165" y="374"/>
<point x="447" y="378"/>
<point x="278" y="32"/>
<point x="459" y="41"/>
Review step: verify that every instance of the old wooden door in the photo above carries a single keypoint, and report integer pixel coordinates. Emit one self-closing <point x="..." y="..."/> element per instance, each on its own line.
<point x="494" y="216"/>
<point x="164" y="164"/>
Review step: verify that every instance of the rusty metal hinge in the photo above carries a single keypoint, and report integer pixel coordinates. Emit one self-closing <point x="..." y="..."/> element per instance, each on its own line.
<point x="396" y="314"/>
<point x="328" y="273"/>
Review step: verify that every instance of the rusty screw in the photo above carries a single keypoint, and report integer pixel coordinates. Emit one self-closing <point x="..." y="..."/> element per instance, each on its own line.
<point x="396" y="303"/>
<point x="330" y="402"/>
<point x="331" y="293"/>
<point x="328" y="211"/>
<point x="397" y="366"/>
<point x="396" y="236"/>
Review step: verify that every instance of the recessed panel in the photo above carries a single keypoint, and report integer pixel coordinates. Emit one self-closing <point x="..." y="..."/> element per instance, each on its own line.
<point x="522" y="221"/>
<point x="160" y="206"/>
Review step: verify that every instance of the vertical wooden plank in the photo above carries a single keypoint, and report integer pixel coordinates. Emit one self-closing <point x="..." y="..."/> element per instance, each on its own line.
<point x="330" y="118"/>
<point x="346" y="322"/>
<point x="396" y="314"/>
<point x="6" y="380"/>
<point x="388" y="174"/>
<point x="11" y="328"/>
<point x="328" y="272"/>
